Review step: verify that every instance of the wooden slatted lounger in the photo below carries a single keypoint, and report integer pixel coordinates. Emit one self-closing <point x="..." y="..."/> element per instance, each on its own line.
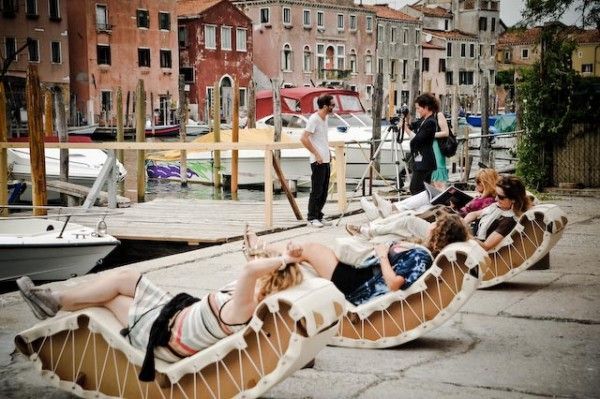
<point x="83" y="352"/>
<point x="538" y="230"/>
<point x="403" y="316"/>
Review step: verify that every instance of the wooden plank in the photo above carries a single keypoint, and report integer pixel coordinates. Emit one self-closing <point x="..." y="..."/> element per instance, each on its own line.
<point x="36" y="141"/>
<point x="286" y="189"/>
<point x="340" y="173"/>
<point x="78" y="191"/>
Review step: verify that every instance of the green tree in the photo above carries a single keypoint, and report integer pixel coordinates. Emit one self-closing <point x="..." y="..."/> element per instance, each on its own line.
<point x="539" y="11"/>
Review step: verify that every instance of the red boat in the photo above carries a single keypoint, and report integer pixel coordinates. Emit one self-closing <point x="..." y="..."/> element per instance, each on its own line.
<point x="163" y="130"/>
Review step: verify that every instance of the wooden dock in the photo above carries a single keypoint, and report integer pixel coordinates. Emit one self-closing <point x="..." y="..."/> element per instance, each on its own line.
<point x="203" y="221"/>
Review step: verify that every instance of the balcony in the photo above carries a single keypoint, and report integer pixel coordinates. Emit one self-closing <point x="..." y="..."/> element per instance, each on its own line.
<point x="334" y="74"/>
<point x="104" y="27"/>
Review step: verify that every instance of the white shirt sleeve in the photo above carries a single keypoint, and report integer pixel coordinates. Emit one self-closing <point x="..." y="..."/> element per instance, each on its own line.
<point x="311" y="125"/>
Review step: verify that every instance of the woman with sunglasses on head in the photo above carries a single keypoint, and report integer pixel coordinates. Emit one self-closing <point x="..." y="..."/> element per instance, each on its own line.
<point x="485" y="185"/>
<point x="497" y="220"/>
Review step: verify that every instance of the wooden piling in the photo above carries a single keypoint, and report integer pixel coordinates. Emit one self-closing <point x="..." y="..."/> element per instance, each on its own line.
<point x="485" y="145"/>
<point x="36" y="141"/>
<point x="235" y="136"/>
<point x="152" y="122"/>
<point x="183" y="117"/>
<point x="48" y="131"/>
<point x="3" y="153"/>
<point x="377" y="113"/>
<point x="268" y="187"/>
<point x="127" y="122"/>
<point x="63" y="137"/>
<point x="277" y="120"/>
<point x="121" y="132"/>
<point x="217" y="134"/>
<point x="140" y="137"/>
<point x="251" y="105"/>
<point x="390" y="111"/>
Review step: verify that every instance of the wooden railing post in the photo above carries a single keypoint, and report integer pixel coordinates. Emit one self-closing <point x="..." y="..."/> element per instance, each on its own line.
<point x="36" y="141"/>
<point x="268" y="187"/>
<point x="340" y="174"/>
<point x="235" y="136"/>
<point x="121" y="131"/>
<point x="217" y="134"/>
<point x="140" y="137"/>
<point x="3" y="153"/>
<point x="183" y="117"/>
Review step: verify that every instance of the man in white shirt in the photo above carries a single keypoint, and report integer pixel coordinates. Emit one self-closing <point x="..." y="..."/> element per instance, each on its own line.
<point x="316" y="141"/>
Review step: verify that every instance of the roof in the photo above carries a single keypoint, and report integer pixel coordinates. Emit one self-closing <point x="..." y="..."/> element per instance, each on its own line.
<point x="429" y="46"/>
<point x="451" y="34"/>
<point x="341" y="3"/>
<point x="436" y="11"/>
<point x="587" y="36"/>
<point x="194" y="7"/>
<point x="384" y="11"/>
<point x="528" y="36"/>
<point x="299" y="92"/>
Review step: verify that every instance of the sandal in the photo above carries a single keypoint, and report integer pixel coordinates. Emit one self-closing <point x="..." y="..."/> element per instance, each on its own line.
<point x="252" y="251"/>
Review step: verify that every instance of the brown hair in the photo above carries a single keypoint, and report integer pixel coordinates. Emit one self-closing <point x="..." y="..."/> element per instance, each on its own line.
<point x="514" y="189"/>
<point x="488" y="179"/>
<point x="279" y="280"/>
<point x="427" y="100"/>
<point x="449" y="228"/>
<point x="324" y="100"/>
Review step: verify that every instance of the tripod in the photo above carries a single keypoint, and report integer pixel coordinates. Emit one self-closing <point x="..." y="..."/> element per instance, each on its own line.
<point x="396" y="143"/>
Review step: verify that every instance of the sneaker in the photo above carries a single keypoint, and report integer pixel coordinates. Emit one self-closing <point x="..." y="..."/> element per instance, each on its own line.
<point x="353" y="229"/>
<point x="370" y="210"/>
<point x="40" y="300"/>
<point x="326" y="222"/>
<point x="385" y="206"/>
<point x="314" y="223"/>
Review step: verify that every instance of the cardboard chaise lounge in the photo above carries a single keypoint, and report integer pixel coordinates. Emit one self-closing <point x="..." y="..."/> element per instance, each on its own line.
<point x="538" y="230"/>
<point x="402" y="316"/>
<point x="83" y="352"/>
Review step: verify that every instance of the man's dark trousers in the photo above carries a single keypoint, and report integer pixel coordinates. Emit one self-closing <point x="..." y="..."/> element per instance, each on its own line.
<point x="318" y="191"/>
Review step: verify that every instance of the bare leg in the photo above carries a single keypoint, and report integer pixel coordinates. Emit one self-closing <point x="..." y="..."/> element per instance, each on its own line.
<point x="119" y="306"/>
<point x="100" y="291"/>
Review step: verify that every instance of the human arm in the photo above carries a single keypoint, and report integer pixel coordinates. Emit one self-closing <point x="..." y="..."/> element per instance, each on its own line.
<point x="503" y="228"/>
<point x="306" y="142"/>
<point x="425" y="134"/>
<point x="472" y="216"/>
<point x="392" y="280"/>
<point x="443" y="130"/>
<point x="492" y="240"/>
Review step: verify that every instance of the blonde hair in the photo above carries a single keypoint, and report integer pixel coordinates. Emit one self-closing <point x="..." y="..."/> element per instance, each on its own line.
<point x="488" y="179"/>
<point x="279" y="280"/>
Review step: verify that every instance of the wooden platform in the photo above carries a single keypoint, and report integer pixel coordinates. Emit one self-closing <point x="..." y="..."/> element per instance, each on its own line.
<point x="202" y="221"/>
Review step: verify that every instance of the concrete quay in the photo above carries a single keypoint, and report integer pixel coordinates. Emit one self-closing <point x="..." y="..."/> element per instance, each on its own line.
<point x="536" y="336"/>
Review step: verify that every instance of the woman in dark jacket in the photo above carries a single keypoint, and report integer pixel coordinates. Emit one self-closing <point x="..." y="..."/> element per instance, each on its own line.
<point x="421" y="144"/>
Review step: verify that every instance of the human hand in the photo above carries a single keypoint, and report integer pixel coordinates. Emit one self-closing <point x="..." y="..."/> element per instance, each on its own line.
<point x="319" y="159"/>
<point x="381" y="250"/>
<point x="293" y="253"/>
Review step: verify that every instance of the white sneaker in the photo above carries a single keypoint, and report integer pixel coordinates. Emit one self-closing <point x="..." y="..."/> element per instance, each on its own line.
<point x="370" y="210"/>
<point x="314" y="223"/>
<point x="384" y="205"/>
<point x="326" y="222"/>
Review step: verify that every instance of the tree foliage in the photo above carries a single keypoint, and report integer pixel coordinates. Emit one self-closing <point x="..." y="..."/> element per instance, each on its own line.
<point x="539" y="11"/>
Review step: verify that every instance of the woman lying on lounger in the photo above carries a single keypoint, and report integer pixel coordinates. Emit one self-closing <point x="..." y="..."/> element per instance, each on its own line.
<point x="390" y="268"/>
<point x="164" y="325"/>
<point x="493" y="222"/>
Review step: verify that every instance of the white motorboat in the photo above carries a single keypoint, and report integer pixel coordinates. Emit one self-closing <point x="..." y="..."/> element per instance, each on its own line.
<point x="47" y="249"/>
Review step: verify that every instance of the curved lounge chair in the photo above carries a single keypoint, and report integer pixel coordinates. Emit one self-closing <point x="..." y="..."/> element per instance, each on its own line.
<point x="538" y="230"/>
<point x="402" y="316"/>
<point x="83" y="352"/>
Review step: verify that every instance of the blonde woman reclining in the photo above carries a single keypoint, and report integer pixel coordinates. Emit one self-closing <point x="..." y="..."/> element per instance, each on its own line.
<point x="163" y="325"/>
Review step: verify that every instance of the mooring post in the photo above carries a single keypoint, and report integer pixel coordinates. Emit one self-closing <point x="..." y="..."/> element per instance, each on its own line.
<point x="3" y="153"/>
<point x="268" y="187"/>
<point x="217" y="134"/>
<point x="485" y="145"/>
<point x="48" y="131"/>
<point x="235" y="137"/>
<point x="120" y="132"/>
<point x="36" y="141"/>
<point x="183" y="117"/>
<point x="377" y="114"/>
<point x="340" y="175"/>
<point x="251" y="105"/>
<point x="112" y="179"/>
<point x="63" y="137"/>
<point x="140" y="137"/>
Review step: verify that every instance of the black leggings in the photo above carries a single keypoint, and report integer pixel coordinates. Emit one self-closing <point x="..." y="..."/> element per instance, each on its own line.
<point x="418" y="179"/>
<point x="347" y="278"/>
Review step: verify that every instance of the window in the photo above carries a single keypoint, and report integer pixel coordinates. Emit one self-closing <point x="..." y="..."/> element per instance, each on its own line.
<point x="369" y="22"/>
<point x="320" y="19"/>
<point x="404" y="69"/>
<point x="369" y="91"/>
<point x="105" y="101"/>
<point x="143" y="19"/>
<point x="34" y="51"/>
<point x="393" y="69"/>
<point x="10" y="43"/>
<point x="493" y="27"/>
<point x="240" y="39"/>
<point x="368" y="64"/>
<point x="210" y="36"/>
<point x="481" y="50"/>
<point x="507" y="56"/>
<point x="463" y="50"/>
<point x="448" y="49"/>
<point x="380" y="33"/>
<point x="465" y="77"/>
<point x="472" y="50"/>
<point x="417" y="37"/>
<point x="31" y="8"/>
<point x="341" y="57"/>
<point x="492" y="50"/>
<point x="492" y="76"/>
<point x="340" y="21"/>
<point x="524" y="53"/>
<point x="286" y="58"/>
<point x="425" y="64"/>
<point x="56" y="52"/>
<point x="188" y="74"/>
<point x="587" y="68"/>
<point x="165" y="59"/>
<point x="446" y="24"/>
<point x="405" y="36"/>
<point x="265" y="15"/>
<point x="353" y="23"/>
<point x="164" y="21"/>
<point x="225" y="38"/>
<point x="306" y="18"/>
<point x="54" y="10"/>
<point x="449" y="78"/>
<point x="320" y="59"/>
<point x="182" y="36"/>
<point x="243" y="96"/>
<point x="287" y="16"/>
<point x="380" y="65"/>
<point x="103" y="54"/>
<point x="442" y="65"/>
<point x="353" y="66"/>
<point x="144" y="57"/>
<point x="393" y="35"/>
<point x="306" y="59"/>
<point x="102" y="18"/>
<point x="483" y="23"/>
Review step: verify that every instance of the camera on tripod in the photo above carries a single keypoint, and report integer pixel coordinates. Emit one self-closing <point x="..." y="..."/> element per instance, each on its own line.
<point x="401" y="112"/>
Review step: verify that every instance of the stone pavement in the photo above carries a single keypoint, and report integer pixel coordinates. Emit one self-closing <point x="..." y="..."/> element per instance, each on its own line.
<point x="535" y="336"/>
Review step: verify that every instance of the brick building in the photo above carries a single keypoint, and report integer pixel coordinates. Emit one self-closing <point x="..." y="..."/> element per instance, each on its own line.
<point x="114" y="43"/>
<point x="215" y="44"/>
